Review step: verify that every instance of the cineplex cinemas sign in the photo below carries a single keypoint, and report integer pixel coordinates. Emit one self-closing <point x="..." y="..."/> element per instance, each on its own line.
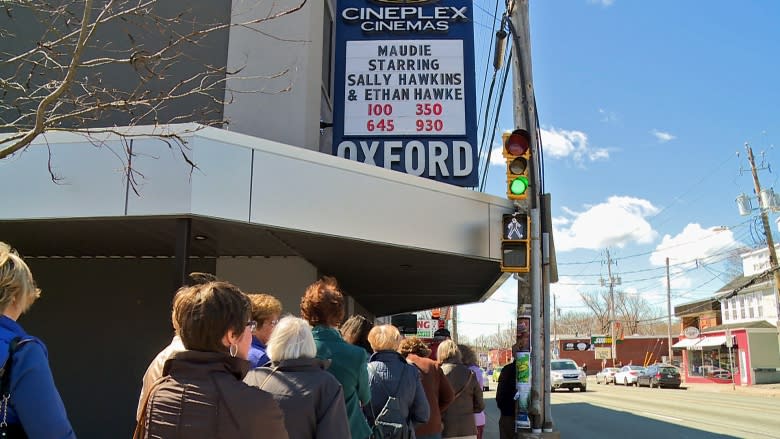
<point x="405" y="87"/>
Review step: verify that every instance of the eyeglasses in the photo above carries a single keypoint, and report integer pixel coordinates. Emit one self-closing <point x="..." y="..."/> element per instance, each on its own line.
<point x="252" y="325"/>
<point x="273" y="322"/>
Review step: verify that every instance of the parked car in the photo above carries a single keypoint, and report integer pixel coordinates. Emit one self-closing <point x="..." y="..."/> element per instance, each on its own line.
<point x="565" y="374"/>
<point x="719" y="373"/>
<point x="659" y="375"/>
<point x="628" y="375"/>
<point x="606" y="375"/>
<point x="497" y="373"/>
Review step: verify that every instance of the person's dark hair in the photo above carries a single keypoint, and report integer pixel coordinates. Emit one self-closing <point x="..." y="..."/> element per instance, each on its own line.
<point x="199" y="278"/>
<point x="355" y="331"/>
<point x="205" y="313"/>
<point x="323" y="303"/>
<point x="468" y="356"/>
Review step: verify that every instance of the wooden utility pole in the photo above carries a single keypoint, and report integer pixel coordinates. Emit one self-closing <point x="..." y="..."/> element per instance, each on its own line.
<point x="768" y="232"/>
<point x="668" y="312"/>
<point x="526" y="118"/>
<point x="611" y="309"/>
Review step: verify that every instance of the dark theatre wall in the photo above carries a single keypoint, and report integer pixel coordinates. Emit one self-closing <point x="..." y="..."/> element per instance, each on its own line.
<point x="103" y="321"/>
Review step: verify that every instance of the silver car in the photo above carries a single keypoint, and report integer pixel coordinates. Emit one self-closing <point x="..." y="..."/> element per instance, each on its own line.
<point x="565" y="374"/>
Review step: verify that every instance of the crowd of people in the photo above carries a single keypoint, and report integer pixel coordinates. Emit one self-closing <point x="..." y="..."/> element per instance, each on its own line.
<point x="237" y="368"/>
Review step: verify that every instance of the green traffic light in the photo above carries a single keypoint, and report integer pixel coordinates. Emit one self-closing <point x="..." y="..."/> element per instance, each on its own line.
<point x="518" y="186"/>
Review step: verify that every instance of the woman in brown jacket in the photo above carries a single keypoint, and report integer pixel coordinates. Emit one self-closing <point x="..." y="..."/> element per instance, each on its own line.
<point x="438" y="390"/>
<point x="201" y="395"/>
<point x="459" y="416"/>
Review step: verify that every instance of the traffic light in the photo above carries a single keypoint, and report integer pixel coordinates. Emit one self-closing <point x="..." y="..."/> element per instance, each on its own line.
<point x="515" y="251"/>
<point x="517" y="153"/>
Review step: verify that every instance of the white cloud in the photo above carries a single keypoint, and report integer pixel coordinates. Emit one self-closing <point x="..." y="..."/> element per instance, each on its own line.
<point x="496" y="156"/>
<point x="619" y="221"/>
<point x="574" y="144"/>
<point x="484" y="318"/>
<point x="605" y="3"/>
<point x="694" y="245"/>
<point x="663" y="136"/>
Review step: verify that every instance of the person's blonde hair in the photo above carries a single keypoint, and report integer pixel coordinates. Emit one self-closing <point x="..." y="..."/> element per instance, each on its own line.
<point x="384" y="338"/>
<point x="291" y="339"/>
<point x="448" y="352"/>
<point x="264" y="306"/>
<point x="16" y="280"/>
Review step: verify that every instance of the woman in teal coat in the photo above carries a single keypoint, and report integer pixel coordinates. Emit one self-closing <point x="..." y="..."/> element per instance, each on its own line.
<point x="323" y="307"/>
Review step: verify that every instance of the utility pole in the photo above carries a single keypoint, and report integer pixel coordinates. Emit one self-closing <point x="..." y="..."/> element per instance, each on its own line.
<point x="525" y="117"/>
<point x="668" y="312"/>
<point x="454" y="334"/>
<point x="612" y="282"/>
<point x="768" y="232"/>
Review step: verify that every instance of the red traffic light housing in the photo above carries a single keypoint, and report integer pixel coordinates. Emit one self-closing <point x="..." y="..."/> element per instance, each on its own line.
<point x="517" y="153"/>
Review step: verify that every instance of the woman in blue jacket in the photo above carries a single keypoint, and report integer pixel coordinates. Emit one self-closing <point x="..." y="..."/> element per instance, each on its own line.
<point x="35" y="405"/>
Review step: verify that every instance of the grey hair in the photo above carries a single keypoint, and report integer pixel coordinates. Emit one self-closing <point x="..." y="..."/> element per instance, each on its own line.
<point x="291" y="339"/>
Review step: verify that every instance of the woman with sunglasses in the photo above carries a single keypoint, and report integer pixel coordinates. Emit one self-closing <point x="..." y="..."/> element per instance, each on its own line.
<point x="201" y="394"/>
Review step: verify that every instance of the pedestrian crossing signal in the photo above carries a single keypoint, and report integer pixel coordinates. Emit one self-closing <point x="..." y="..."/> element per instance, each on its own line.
<point x="515" y="250"/>
<point x="517" y="153"/>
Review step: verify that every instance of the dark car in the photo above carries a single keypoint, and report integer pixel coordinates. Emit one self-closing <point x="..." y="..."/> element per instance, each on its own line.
<point x="660" y="375"/>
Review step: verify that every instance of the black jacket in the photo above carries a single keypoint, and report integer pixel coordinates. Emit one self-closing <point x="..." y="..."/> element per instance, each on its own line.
<point x="506" y="389"/>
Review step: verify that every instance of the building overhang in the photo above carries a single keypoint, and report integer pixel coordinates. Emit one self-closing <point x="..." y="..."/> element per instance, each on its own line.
<point x="395" y="242"/>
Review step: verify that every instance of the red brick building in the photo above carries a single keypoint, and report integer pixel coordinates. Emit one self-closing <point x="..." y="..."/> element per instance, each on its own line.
<point x="636" y="349"/>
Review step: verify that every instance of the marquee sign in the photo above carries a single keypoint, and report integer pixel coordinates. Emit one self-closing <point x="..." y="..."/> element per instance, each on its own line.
<point x="405" y="87"/>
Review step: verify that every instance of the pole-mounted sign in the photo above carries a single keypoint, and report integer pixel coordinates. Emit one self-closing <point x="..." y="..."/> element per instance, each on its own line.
<point x="405" y="87"/>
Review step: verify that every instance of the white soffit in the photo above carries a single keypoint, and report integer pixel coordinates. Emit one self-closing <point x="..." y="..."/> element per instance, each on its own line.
<point x="248" y="179"/>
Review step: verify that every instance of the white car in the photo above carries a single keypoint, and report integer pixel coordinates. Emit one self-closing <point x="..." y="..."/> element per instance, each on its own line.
<point x="628" y="375"/>
<point x="565" y="374"/>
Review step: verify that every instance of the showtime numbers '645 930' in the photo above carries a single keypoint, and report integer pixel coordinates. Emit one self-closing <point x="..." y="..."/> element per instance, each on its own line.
<point x="404" y="87"/>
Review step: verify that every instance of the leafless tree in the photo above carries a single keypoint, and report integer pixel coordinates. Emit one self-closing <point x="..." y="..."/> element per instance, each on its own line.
<point x="598" y="303"/>
<point x="578" y="323"/>
<point x="72" y="65"/>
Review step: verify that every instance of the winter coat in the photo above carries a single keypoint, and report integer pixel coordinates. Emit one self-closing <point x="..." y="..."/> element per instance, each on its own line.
<point x="390" y="375"/>
<point x="201" y="396"/>
<point x="348" y="365"/>
<point x="438" y="392"/>
<point x="310" y="397"/>
<point x="35" y="402"/>
<point x="155" y="371"/>
<point x="459" y="416"/>
<point x="479" y="418"/>
<point x="258" y="356"/>
<point x="506" y="389"/>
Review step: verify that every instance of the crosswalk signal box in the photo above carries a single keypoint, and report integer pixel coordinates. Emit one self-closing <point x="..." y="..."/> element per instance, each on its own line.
<point x="515" y="251"/>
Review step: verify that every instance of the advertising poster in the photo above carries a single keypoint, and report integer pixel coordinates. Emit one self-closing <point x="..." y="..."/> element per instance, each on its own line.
<point x="523" y="365"/>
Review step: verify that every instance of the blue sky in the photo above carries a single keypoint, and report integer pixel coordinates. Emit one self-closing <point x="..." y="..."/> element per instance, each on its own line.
<point x="644" y="107"/>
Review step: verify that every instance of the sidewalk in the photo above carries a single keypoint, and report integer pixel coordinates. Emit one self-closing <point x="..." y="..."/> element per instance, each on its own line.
<point x="769" y="390"/>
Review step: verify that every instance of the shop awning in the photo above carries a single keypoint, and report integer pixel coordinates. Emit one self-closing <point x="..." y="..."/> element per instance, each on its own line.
<point x="712" y="341"/>
<point x="686" y="343"/>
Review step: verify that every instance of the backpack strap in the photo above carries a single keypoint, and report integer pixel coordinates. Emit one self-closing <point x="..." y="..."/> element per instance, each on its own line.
<point x="465" y="386"/>
<point x="5" y="381"/>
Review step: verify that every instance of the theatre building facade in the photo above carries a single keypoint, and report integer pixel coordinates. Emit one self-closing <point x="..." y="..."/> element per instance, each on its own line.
<point x="268" y="206"/>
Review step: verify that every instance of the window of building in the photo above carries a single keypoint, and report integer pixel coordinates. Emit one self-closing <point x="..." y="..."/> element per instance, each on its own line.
<point x="760" y="300"/>
<point x="752" y="306"/>
<point x="742" y="307"/>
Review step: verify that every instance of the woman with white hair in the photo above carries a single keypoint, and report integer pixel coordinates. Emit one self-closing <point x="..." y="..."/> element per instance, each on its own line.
<point x="311" y="398"/>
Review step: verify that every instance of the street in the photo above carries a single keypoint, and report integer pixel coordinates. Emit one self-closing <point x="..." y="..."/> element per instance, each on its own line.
<point x="637" y="413"/>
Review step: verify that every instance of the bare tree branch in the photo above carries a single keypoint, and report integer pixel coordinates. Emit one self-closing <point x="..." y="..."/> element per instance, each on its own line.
<point x="134" y="63"/>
